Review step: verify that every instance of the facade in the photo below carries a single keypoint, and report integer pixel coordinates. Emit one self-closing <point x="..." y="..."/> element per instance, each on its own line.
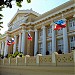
<point x="41" y="28"/>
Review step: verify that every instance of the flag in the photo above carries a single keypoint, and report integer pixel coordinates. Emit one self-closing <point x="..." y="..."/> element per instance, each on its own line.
<point x="8" y="42"/>
<point x="57" y="27"/>
<point x="29" y="37"/>
<point x="60" y="24"/>
<point x="63" y="24"/>
<point x="12" y="41"/>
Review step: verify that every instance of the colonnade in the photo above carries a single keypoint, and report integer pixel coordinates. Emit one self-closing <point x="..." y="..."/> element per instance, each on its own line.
<point x="22" y="46"/>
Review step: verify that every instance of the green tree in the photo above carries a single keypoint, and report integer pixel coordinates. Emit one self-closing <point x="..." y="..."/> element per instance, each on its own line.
<point x="8" y="4"/>
<point x="1" y="17"/>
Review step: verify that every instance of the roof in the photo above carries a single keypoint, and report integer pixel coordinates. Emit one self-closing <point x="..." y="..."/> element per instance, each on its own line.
<point x="59" y="8"/>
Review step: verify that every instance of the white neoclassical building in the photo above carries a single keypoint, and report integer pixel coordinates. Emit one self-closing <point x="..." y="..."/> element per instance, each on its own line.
<point x="41" y="28"/>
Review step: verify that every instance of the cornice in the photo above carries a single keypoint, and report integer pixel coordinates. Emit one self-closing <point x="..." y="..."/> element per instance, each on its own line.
<point x="58" y="9"/>
<point x="15" y="30"/>
<point x="48" y="19"/>
<point x="24" y="11"/>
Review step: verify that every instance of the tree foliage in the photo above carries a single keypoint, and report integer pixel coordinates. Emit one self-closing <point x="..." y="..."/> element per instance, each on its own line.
<point x="8" y="4"/>
<point x="1" y="17"/>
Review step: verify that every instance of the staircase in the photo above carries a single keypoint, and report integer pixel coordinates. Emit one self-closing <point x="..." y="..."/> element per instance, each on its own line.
<point x="37" y="70"/>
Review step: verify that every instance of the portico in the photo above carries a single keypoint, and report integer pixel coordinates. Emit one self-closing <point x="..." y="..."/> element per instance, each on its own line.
<point x="44" y="37"/>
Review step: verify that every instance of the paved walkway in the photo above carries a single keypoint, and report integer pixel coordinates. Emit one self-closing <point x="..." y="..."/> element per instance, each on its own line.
<point x="37" y="70"/>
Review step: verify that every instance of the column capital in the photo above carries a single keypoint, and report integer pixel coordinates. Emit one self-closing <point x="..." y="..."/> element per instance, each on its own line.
<point x="2" y="41"/>
<point x="15" y="35"/>
<point x="52" y="24"/>
<point x="23" y="27"/>
<point x="19" y="34"/>
<point x="43" y="27"/>
<point x="35" y="30"/>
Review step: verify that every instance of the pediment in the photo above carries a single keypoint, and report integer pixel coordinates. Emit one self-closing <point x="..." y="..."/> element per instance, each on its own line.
<point x="22" y="14"/>
<point x="18" y="17"/>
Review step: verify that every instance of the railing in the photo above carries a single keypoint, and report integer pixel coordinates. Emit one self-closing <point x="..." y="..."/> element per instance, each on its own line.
<point x="57" y="59"/>
<point x="20" y="61"/>
<point x="31" y="60"/>
<point x="65" y="59"/>
<point x="12" y="61"/>
<point x="45" y="60"/>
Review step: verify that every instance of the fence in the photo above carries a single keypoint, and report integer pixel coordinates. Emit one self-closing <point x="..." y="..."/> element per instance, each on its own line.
<point x="57" y="59"/>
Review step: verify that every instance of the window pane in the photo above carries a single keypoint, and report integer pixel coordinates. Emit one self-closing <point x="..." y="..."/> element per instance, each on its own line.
<point x="71" y="39"/>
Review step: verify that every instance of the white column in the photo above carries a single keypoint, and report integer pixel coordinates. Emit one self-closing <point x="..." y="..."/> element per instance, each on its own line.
<point x="53" y="39"/>
<point x="6" y="47"/>
<point x="44" y="40"/>
<point x="0" y="45"/>
<point x="19" y="45"/>
<point x="14" y="48"/>
<point x="2" y="48"/>
<point x="65" y="40"/>
<point x="36" y="42"/>
<point x="23" y="42"/>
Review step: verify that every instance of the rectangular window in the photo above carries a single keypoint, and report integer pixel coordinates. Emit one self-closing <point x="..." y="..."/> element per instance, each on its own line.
<point x="40" y="48"/>
<point x="72" y="24"/>
<point x="71" y="39"/>
<point x="40" y="34"/>
<point x="49" y="45"/>
<point x="60" y="45"/>
<point x="74" y="38"/>
<point x="72" y="42"/>
<point x="49" y="31"/>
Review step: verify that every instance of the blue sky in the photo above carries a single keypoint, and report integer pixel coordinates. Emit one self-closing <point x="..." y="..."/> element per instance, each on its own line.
<point x="40" y="6"/>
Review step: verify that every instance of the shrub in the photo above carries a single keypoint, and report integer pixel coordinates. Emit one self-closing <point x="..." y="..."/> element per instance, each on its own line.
<point x="20" y="54"/>
<point x="16" y="53"/>
<point x="1" y="56"/>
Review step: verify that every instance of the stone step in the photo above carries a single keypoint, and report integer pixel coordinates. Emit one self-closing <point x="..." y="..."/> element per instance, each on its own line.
<point x="37" y="70"/>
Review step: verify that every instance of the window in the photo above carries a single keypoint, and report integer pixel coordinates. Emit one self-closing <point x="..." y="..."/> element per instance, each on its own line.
<point x="74" y="38"/>
<point x="49" y="31"/>
<point x="49" y="45"/>
<point x="72" y="42"/>
<point x="60" y="45"/>
<point x="40" y="48"/>
<point x="40" y="34"/>
<point x="71" y="39"/>
<point x="72" y="24"/>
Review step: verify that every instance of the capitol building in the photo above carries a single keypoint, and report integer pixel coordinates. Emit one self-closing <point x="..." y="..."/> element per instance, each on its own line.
<point x="41" y="28"/>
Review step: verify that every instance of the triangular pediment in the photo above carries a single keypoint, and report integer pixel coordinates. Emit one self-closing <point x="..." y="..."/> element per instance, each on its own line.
<point x="22" y="14"/>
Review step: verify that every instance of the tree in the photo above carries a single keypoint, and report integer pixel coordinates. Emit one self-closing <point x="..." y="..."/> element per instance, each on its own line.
<point x="1" y="17"/>
<point x="8" y="4"/>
